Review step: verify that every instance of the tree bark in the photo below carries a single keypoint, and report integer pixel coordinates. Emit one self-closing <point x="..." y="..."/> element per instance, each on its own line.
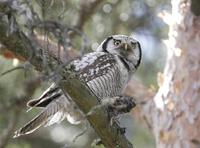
<point x="19" y="44"/>
<point x="174" y="114"/>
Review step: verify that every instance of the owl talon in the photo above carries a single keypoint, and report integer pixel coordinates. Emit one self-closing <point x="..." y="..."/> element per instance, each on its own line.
<point x="106" y="73"/>
<point x="121" y="105"/>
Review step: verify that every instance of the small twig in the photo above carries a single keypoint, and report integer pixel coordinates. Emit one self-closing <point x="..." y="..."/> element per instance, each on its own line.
<point x="61" y="15"/>
<point x="11" y="70"/>
<point x="20" y="101"/>
<point x="82" y="132"/>
<point x="87" y="9"/>
<point x="61" y="32"/>
<point x="30" y="87"/>
<point x="25" y="66"/>
<point x="11" y="126"/>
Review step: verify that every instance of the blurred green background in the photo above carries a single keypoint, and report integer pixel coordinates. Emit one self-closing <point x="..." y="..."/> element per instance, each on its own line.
<point x="137" y="18"/>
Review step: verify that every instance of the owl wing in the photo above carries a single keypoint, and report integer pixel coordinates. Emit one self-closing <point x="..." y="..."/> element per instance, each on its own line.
<point x="94" y="65"/>
<point x="88" y="68"/>
<point x="101" y="73"/>
<point x="48" y="96"/>
<point x="54" y="112"/>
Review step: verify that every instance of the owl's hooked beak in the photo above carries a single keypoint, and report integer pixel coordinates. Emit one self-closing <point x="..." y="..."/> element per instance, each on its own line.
<point x="126" y="46"/>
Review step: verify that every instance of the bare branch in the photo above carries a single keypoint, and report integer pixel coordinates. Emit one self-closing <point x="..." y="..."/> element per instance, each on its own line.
<point x="86" y="100"/>
<point x="11" y="126"/>
<point x="16" y="107"/>
<point x="20" y="44"/>
<point x="86" y="10"/>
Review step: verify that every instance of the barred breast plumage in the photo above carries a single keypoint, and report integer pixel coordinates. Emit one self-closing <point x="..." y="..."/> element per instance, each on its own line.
<point x="102" y="72"/>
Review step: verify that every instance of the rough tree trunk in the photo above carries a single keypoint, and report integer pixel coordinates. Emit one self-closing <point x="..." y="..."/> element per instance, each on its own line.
<point x="174" y="114"/>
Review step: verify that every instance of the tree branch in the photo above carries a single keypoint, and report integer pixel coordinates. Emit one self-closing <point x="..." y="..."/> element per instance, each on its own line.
<point x="86" y="100"/>
<point x="16" y="107"/>
<point x="86" y="10"/>
<point x="19" y="44"/>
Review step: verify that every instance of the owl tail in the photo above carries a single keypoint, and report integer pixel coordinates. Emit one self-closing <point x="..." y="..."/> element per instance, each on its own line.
<point x="50" y="115"/>
<point x="33" y="125"/>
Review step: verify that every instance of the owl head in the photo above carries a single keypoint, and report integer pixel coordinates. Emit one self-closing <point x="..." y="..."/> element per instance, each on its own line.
<point x="125" y="47"/>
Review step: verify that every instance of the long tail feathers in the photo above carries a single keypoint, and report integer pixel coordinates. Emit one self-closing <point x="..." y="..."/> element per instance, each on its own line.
<point x="31" y="126"/>
<point x="53" y="113"/>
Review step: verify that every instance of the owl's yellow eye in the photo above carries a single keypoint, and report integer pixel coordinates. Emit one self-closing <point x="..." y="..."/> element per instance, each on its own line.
<point x="133" y="44"/>
<point x="117" y="42"/>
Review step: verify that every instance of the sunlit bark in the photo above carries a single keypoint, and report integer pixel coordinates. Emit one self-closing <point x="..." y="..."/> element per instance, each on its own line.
<point x="174" y="114"/>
